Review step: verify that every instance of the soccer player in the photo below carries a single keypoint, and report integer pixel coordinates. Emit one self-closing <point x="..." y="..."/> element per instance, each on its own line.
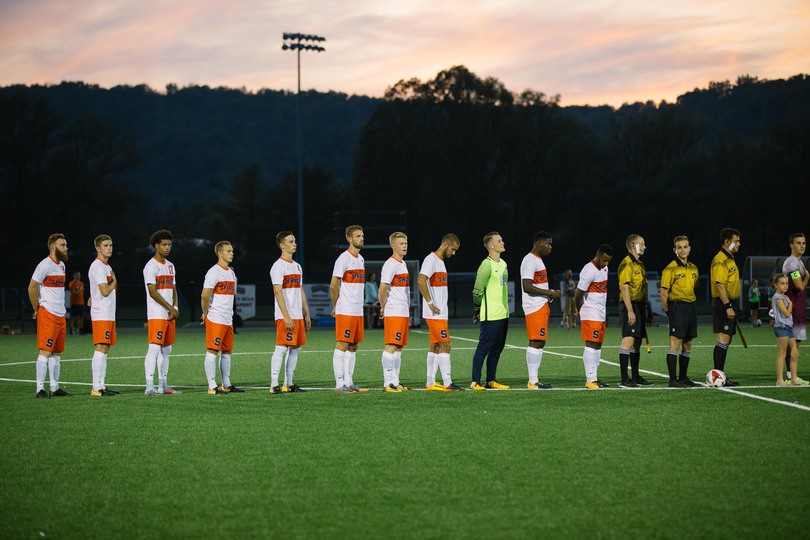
<point x="536" y="296"/>
<point x="103" y="285"/>
<point x="491" y="307"/>
<point x="76" y="288"/>
<point x="678" y="282"/>
<point x="591" y="301"/>
<point x="292" y="314"/>
<point x="217" y="299"/>
<point x="793" y="267"/>
<point x="432" y="283"/>
<point x="395" y="311"/>
<point x="47" y="296"/>
<point x="347" y="290"/>
<point x="162" y="310"/>
<point x="725" y="278"/>
<point x="632" y="311"/>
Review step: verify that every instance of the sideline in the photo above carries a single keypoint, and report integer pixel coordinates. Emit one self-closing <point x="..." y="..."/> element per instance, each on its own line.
<point x="657" y="374"/>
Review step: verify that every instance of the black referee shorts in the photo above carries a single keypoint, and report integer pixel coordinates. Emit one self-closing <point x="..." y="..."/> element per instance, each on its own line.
<point x="638" y="330"/>
<point x="683" y="320"/>
<point x="721" y="323"/>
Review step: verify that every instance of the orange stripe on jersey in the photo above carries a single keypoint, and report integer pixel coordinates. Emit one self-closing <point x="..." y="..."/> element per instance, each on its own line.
<point x="225" y="287"/>
<point x="438" y="279"/>
<point x="401" y="280"/>
<point x="54" y="281"/>
<point x="291" y="281"/>
<point x="354" y="276"/>
<point x="164" y="282"/>
<point x="598" y="287"/>
<point x="540" y="277"/>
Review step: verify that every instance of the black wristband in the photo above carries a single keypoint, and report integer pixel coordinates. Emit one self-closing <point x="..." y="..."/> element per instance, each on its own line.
<point x="729" y="306"/>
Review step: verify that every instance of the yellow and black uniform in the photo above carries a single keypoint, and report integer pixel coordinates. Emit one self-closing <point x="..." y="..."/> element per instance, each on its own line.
<point x="633" y="274"/>
<point x="725" y="272"/>
<point x="680" y="280"/>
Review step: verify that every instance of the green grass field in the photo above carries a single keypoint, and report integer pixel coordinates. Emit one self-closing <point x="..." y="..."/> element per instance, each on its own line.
<point x="562" y="463"/>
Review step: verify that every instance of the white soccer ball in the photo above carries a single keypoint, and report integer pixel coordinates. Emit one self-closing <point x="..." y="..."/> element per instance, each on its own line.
<point x="715" y="378"/>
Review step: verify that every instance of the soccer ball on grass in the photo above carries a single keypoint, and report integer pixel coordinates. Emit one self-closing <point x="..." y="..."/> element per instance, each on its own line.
<point x="715" y="378"/>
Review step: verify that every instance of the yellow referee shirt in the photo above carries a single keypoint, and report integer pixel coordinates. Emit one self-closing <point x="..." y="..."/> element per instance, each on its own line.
<point x="680" y="280"/>
<point x="724" y="271"/>
<point x="633" y="273"/>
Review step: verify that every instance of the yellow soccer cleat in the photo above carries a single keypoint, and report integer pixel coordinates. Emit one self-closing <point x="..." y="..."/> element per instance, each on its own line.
<point x="477" y="386"/>
<point x="392" y="389"/>
<point x="495" y="385"/>
<point x="593" y="385"/>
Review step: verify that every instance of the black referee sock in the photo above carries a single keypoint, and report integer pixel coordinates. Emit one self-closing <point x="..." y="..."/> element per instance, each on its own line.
<point x="683" y="360"/>
<point x="635" y="360"/>
<point x="672" y="361"/>
<point x="624" y="360"/>
<point x="720" y="352"/>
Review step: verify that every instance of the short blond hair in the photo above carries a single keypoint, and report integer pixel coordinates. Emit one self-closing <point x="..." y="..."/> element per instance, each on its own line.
<point x="101" y="238"/>
<point x="396" y="235"/>
<point x="53" y="238"/>
<point x="220" y="246"/>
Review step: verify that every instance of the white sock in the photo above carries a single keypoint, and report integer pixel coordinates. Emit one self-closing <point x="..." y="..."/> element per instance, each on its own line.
<point x="444" y="365"/>
<point x="104" y="371"/>
<point x="388" y="369"/>
<point x="337" y="367"/>
<point x="98" y="370"/>
<point x="397" y="366"/>
<point x="225" y="369"/>
<point x="591" y="360"/>
<point x="42" y="370"/>
<point x="149" y="364"/>
<point x="289" y="367"/>
<point x="275" y="364"/>
<point x="211" y="369"/>
<point x="349" y="360"/>
<point x="533" y="358"/>
<point x="53" y="369"/>
<point x="431" y="369"/>
<point x="163" y="365"/>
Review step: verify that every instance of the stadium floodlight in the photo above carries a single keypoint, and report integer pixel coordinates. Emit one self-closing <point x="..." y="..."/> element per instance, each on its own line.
<point x="293" y="42"/>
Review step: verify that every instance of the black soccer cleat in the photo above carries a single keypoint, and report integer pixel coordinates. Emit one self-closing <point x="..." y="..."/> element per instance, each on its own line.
<point x="42" y="394"/>
<point x="641" y="381"/>
<point x="275" y="390"/>
<point x="232" y="388"/>
<point x="60" y="393"/>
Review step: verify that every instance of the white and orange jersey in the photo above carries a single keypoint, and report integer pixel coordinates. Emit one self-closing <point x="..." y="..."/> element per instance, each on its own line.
<point x="102" y="307"/>
<point x="593" y="281"/>
<point x="223" y="280"/>
<point x="395" y="273"/>
<point x="352" y="273"/>
<point x="50" y="275"/>
<point x="162" y="276"/>
<point x="288" y="275"/>
<point x="533" y="268"/>
<point x="436" y="273"/>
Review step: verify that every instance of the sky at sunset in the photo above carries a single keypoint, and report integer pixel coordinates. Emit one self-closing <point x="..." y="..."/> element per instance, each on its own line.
<point x="592" y="52"/>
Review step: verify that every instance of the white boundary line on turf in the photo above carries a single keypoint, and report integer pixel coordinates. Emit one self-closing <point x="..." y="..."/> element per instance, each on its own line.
<point x="729" y="390"/>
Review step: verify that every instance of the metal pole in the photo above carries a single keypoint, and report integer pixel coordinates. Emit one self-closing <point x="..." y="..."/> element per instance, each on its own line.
<point x="300" y="173"/>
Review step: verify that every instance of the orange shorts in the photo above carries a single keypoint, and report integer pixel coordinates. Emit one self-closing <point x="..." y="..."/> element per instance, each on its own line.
<point x="291" y="338"/>
<point x="396" y="330"/>
<point x="103" y="332"/>
<point x="593" y="331"/>
<point x="218" y="337"/>
<point x="50" y="331"/>
<point x="349" y="328"/>
<point x="438" y="330"/>
<point x="161" y="331"/>
<point x="537" y="324"/>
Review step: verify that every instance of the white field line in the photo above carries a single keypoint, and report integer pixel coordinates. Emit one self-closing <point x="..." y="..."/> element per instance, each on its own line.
<point x="736" y="391"/>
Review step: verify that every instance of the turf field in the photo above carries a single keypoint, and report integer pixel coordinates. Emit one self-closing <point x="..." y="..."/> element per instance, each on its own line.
<point x="562" y="463"/>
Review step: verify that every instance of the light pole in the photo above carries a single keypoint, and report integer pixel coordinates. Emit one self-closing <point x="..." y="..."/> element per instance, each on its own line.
<point x="293" y="42"/>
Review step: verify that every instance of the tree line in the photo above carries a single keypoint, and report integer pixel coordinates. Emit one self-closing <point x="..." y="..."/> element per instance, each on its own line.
<point x="456" y="153"/>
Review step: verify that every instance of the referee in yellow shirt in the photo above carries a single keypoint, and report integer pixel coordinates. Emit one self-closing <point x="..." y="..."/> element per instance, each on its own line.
<point x="678" y="282"/>
<point x="725" y="278"/>
<point x="632" y="311"/>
